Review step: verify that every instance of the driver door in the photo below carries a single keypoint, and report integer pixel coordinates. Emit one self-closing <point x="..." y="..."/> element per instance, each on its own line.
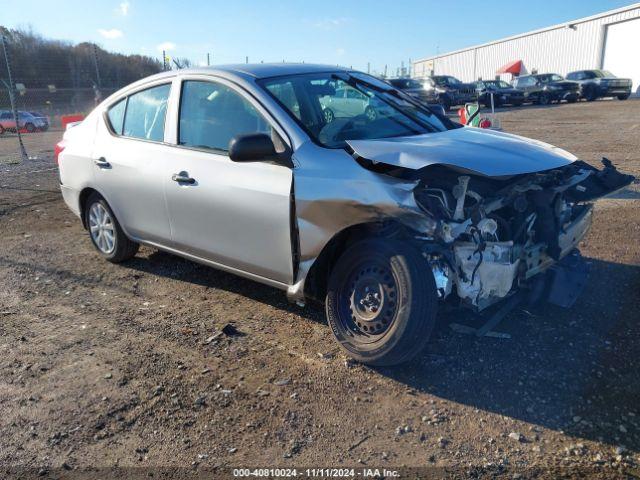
<point x="237" y="215"/>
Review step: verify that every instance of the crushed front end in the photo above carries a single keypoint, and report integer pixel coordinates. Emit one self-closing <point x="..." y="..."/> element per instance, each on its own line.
<point x="496" y="236"/>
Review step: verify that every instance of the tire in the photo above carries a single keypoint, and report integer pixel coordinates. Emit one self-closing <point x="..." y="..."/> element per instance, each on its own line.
<point x="589" y="94"/>
<point x="624" y="96"/>
<point x="329" y="116"/>
<point x="445" y="102"/>
<point x="381" y="301"/>
<point x="517" y="104"/>
<point x="30" y="127"/>
<point x="544" y="99"/>
<point x="1" y="130"/>
<point x="572" y="99"/>
<point x="371" y="113"/>
<point x="106" y="233"/>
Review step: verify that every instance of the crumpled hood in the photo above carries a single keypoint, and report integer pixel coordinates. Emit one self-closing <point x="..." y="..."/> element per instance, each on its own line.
<point x="485" y="152"/>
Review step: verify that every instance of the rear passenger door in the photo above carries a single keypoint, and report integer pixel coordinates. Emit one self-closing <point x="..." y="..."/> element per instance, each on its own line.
<point x="237" y="215"/>
<point x="129" y="159"/>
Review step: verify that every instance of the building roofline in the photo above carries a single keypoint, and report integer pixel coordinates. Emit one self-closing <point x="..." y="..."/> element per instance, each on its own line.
<point x="533" y="32"/>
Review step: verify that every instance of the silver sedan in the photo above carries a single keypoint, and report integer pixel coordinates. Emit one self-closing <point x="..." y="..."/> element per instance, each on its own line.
<point x="382" y="212"/>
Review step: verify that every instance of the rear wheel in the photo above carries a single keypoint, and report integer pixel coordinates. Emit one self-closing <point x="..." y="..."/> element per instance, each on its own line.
<point x="381" y="301"/>
<point x="624" y="96"/>
<point x="30" y="127"/>
<point x="544" y="98"/>
<point x="1" y="129"/>
<point x="589" y="93"/>
<point x="105" y="231"/>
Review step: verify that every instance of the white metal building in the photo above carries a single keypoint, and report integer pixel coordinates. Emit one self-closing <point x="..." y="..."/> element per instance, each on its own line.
<point x="609" y="40"/>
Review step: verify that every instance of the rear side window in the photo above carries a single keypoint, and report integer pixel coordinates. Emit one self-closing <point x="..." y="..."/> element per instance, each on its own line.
<point x="211" y="114"/>
<point x="116" y="116"/>
<point x="145" y="114"/>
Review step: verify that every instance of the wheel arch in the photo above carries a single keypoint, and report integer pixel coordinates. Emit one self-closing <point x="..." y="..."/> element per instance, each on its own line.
<point x="315" y="284"/>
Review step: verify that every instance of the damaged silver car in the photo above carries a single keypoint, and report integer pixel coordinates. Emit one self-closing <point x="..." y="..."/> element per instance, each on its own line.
<point x="383" y="212"/>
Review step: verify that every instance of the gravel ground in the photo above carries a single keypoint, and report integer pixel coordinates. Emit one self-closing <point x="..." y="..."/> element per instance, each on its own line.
<point x="114" y="368"/>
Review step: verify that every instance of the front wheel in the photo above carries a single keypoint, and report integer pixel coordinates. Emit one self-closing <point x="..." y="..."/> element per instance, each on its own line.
<point x="445" y="102"/>
<point x="371" y="113"/>
<point x="381" y="301"/>
<point x="30" y="127"/>
<point x="328" y="115"/>
<point x="106" y="233"/>
<point x="624" y="96"/>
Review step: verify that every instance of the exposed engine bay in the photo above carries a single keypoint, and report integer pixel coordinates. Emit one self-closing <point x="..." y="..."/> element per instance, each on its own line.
<point x="494" y="234"/>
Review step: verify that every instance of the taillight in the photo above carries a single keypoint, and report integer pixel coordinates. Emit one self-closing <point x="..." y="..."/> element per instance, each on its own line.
<point x="57" y="150"/>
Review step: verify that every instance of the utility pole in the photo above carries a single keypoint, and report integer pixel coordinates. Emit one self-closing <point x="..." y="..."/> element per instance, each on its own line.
<point x="208" y="62"/>
<point x="368" y="67"/>
<point x="12" y="99"/>
<point x="246" y="59"/>
<point x="95" y="62"/>
<point x="164" y="61"/>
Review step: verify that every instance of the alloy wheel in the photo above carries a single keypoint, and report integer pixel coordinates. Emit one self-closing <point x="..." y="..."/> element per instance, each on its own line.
<point x="102" y="228"/>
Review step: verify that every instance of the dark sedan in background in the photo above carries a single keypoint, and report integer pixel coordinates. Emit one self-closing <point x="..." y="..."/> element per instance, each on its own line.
<point x="596" y="84"/>
<point x="503" y="93"/>
<point x="547" y="88"/>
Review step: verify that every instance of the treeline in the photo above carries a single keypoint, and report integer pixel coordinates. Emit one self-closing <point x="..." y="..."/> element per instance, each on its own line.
<point x="38" y="62"/>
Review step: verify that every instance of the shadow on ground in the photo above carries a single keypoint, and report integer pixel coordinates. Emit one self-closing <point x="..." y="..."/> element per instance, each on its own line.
<point x="574" y="370"/>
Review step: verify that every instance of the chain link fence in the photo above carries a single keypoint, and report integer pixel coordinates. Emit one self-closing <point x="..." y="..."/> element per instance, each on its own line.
<point x="44" y="84"/>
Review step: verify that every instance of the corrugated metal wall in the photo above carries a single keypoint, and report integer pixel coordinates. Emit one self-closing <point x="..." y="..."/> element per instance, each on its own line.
<point x="560" y="50"/>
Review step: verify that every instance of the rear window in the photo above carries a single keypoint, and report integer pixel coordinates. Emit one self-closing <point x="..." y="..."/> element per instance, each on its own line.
<point x="116" y="116"/>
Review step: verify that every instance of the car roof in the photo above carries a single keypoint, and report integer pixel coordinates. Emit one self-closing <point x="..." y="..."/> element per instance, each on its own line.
<point x="255" y="70"/>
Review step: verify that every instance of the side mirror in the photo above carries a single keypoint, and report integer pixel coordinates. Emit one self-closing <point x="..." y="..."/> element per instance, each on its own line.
<point x="252" y="147"/>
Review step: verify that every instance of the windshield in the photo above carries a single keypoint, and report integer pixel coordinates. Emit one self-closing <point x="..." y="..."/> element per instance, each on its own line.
<point x="336" y="107"/>
<point x="446" y="80"/>
<point x="603" y="74"/>
<point x="405" y="83"/>
<point x="551" y="77"/>
<point x="493" y="84"/>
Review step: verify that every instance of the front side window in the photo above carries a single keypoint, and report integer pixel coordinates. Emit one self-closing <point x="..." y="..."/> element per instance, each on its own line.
<point x="145" y="114"/>
<point x="380" y="112"/>
<point x="211" y="114"/>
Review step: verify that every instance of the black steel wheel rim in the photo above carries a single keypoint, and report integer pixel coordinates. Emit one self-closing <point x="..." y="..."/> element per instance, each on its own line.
<point x="368" y="301"/>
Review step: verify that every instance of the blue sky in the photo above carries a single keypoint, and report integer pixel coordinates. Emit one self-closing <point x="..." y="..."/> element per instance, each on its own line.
<point x="343" y="32"/>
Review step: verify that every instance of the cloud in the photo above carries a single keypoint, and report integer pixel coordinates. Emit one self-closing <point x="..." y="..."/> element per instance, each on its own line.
<point x="166" y="46"/>
<point x="123" y="9"/>
<point x="330" y="23"/>
<point x="110" y="34"/>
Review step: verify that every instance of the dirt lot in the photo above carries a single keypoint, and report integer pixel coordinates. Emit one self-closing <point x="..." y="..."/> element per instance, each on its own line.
<point x="107" y="366"/>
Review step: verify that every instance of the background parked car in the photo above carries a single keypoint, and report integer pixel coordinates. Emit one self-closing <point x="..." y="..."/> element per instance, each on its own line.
<point x="596" y="84"/>
<point x="26" y="121"/>
<point x="43" y="118"/>
<point x="546" y="88"/>
<point x="413" y="87"/>
<point x="345" y="102"/>
<point x="503" y="93"/>
<point x="449" y="91"/>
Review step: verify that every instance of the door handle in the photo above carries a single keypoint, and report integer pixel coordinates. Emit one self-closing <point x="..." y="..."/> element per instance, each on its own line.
<point x="102" y="163"/>
<point x="183" y="177"/>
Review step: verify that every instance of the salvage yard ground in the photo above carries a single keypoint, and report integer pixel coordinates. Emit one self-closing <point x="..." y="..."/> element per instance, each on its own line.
<point x="114" y="366"/>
